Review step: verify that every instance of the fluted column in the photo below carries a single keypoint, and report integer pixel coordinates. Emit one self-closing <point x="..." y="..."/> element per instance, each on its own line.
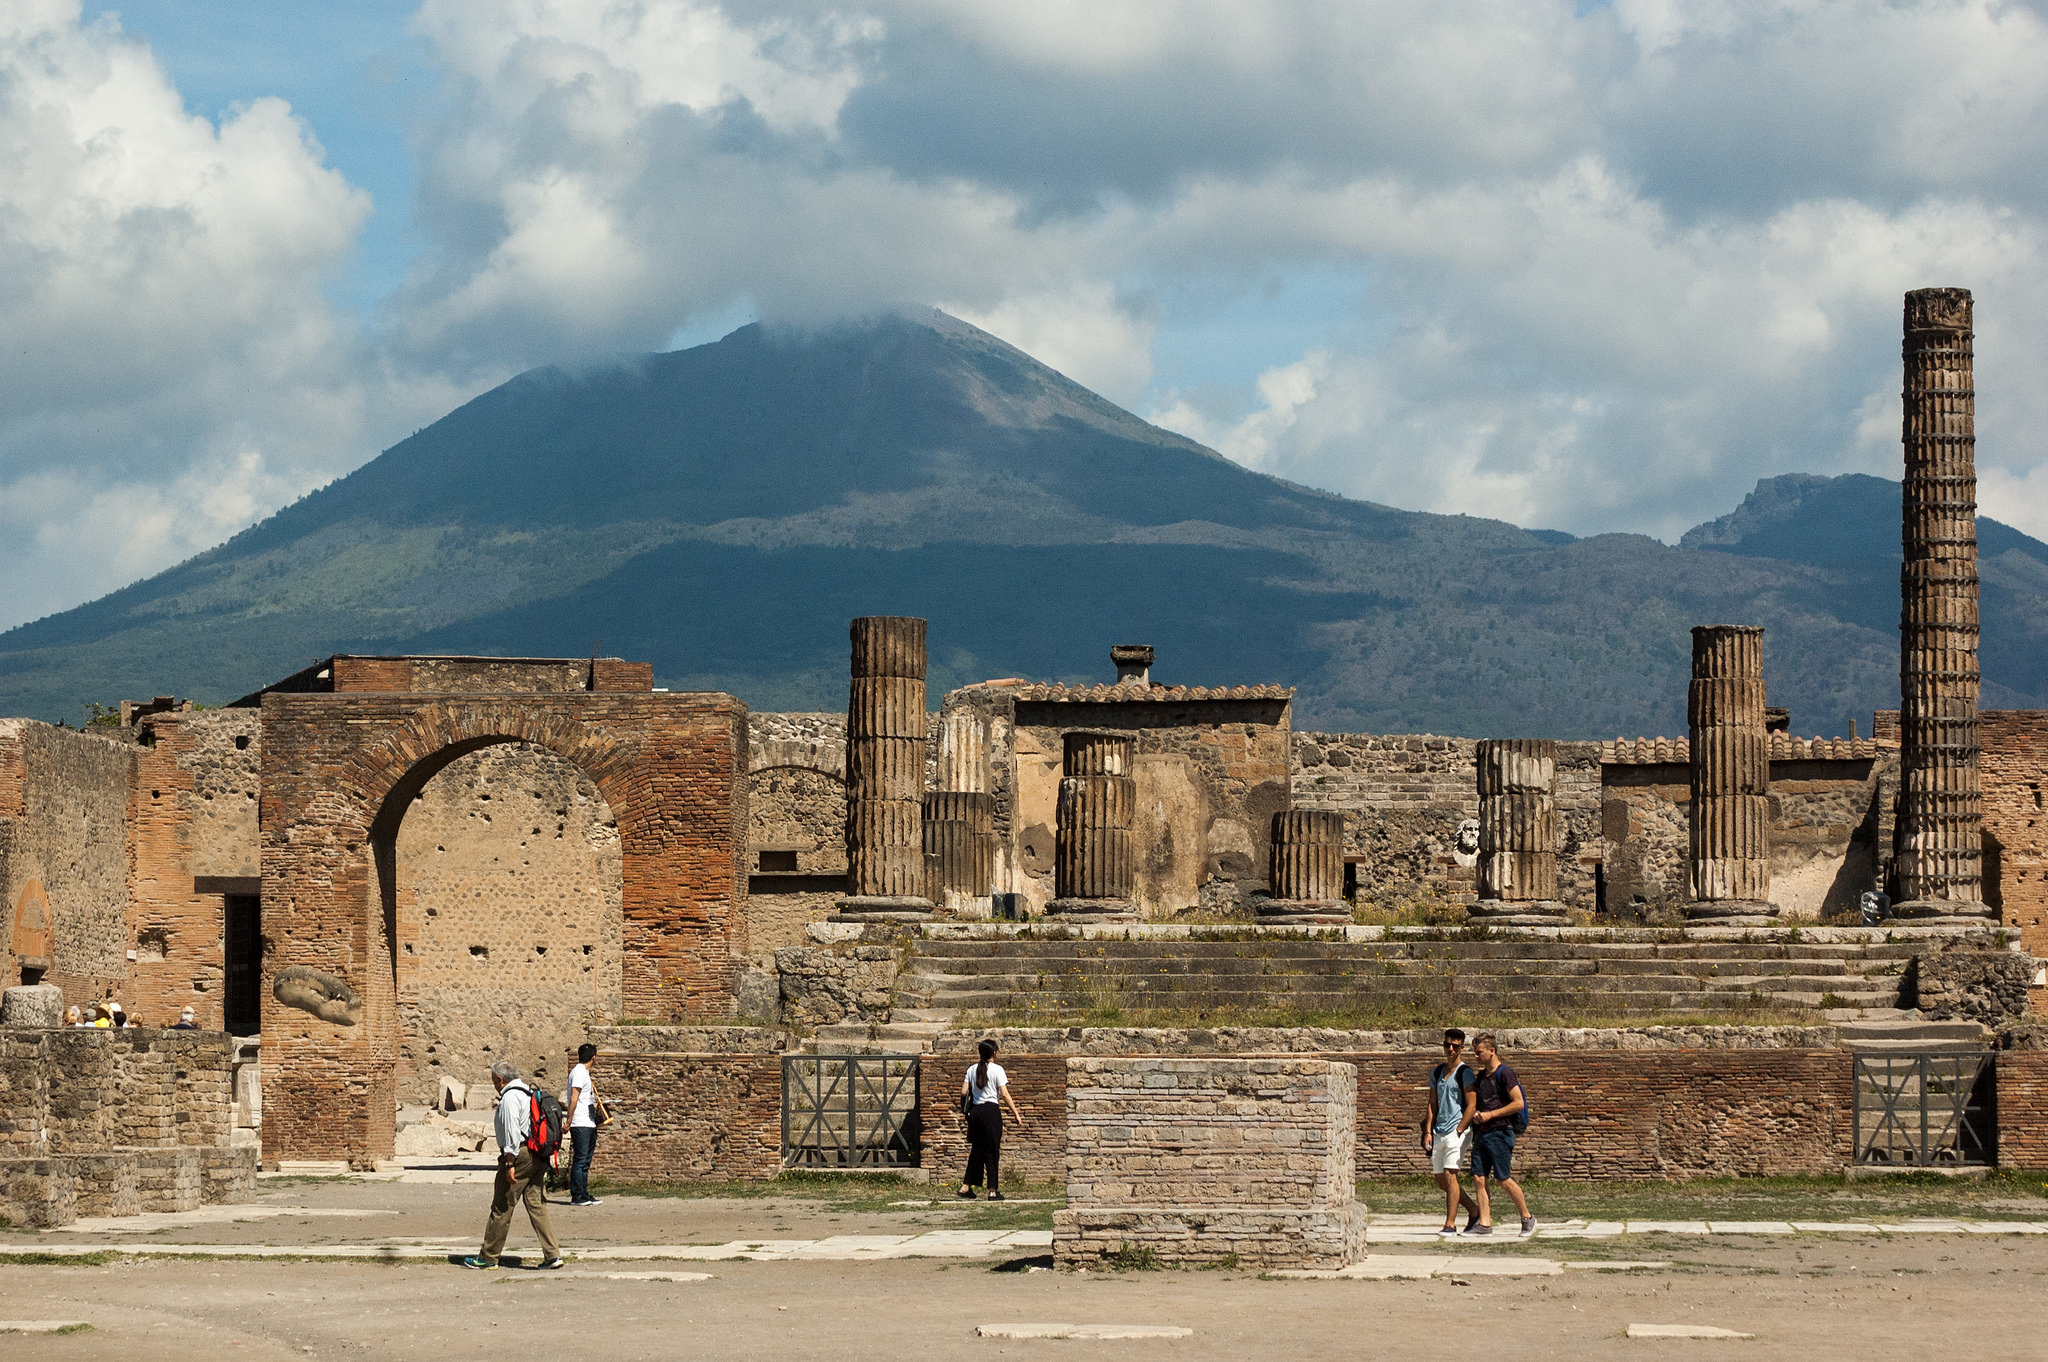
<point x="1093" y="862"/>
<point x="1731" y="776"/>
<point x="1938" y="859"/>
<point x="959" y="851"/>
<point x="885" y="749"/>
<point x="1307" y="868"/>
<point x="1518" y="832"/>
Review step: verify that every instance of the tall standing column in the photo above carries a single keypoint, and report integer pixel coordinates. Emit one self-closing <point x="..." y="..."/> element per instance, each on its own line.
<point x="959" y="851"/>
<point x="1093" y="863"/>
<point x="1938" y="858"/>
<point x="1307" y="868"/>
<point x="1518" y="833"/>
<point x="1731" y="777"/>
<point x="885" y="749"/>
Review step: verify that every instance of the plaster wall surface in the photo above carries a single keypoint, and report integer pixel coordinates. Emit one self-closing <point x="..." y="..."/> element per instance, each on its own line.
<point x="509" y="918"/>
<point x="1209" y="776"/>
<point x="64" y="856"/>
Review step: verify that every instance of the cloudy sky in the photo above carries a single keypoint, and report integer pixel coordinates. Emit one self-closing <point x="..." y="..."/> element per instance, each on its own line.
<point x="1576" y="265"/>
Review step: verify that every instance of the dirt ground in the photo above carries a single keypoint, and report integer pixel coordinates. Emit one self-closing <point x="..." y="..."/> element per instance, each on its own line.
<point x="1807" y="1296"/>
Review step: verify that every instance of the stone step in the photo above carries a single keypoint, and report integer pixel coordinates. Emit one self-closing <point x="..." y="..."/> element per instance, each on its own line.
<point x="1014" y="967"/>
<point x="1533" y="949"/>
<point x="1544" y="1001"/>
<point x="1079" y="981"/>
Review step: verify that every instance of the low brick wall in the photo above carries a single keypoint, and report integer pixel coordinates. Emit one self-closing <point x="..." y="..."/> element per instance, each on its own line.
<point x="1210" y="1160"/>
<point x="1038" y="1085"/>
<point x="2023" y="1109"/>
<point x="689" y="1117"/>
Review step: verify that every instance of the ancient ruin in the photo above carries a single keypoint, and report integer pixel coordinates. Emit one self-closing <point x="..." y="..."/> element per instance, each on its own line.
<point x="1249" y="1162"/>
<point x="1731" y="777"/>
<point x="380" y="874"/>
<point x="1093" y="854"/>
<point x="885" y="781"/>
<point x="1939" y="866"/>
<point x="1518" y="833"/>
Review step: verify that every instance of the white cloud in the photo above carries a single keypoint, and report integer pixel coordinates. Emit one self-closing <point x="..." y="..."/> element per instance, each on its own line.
<point x="1614" y="266"/>
<point x="178" y="373"/>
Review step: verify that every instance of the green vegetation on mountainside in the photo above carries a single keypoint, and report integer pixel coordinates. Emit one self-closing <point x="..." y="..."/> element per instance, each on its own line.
<point x="723" y="511"/>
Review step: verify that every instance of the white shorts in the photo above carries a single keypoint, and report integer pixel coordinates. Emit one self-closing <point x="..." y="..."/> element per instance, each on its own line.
<point x="1447" y="1155"/>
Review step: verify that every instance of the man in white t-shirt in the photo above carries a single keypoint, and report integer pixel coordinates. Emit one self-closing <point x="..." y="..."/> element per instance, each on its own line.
<point x="582" y="1127"/>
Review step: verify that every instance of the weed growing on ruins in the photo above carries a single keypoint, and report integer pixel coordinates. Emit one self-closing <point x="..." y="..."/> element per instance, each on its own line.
<point x="58" y="1259"/>
<point x="1132" y="1258"/>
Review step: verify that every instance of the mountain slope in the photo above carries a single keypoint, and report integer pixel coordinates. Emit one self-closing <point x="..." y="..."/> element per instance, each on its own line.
<point x="722" y="511"/>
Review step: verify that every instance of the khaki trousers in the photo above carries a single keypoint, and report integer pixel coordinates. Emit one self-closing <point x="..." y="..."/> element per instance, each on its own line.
<point x="525" y="1179"/>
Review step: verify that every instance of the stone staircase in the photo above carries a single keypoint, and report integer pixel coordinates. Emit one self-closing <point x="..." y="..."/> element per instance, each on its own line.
<point x="1412" y="981"/>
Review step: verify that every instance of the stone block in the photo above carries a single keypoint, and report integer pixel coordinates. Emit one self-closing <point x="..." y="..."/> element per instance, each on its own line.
<point x="107" y="1183"/>
<point x="1255" y="1236"/>
<point x="228" y="1175"/>
<point x="38" y="1193"/>
<point x="454" y="1093"/>
<point x="35" y="1006"/>
<point x="167" y="1179"/>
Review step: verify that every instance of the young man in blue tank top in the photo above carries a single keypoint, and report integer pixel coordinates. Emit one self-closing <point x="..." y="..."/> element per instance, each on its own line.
<point x="1453" y="1095"/>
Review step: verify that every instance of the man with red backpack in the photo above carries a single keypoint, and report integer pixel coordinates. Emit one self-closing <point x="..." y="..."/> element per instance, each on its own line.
<point x="529" y="1130"/>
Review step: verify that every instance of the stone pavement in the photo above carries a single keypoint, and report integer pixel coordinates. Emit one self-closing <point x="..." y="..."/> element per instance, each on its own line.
<point x="1424" y="1229"/>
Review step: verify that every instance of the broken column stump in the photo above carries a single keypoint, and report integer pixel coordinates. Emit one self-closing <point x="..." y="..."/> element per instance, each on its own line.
<point x="1731" y="778"/>
<point x="1938" y="853"/>
<point x="1092" y="856"/>
<point x="1307" y="868"/>
<point x="959" y="852"/>
<point x="1209" y="1161"/>
<point x="1518" y="833"/>
<point x="885" y="749"/>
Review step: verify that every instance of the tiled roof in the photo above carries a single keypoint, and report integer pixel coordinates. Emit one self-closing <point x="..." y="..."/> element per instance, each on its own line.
<point x="1140" y="693"/>
<point x="1783" y="747"/>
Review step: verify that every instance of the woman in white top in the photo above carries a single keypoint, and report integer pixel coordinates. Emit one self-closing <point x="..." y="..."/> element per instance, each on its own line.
<point x="983" y="1093"/>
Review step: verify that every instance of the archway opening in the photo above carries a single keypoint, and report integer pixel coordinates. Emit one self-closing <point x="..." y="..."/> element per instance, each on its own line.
<point x="499" y="870"/>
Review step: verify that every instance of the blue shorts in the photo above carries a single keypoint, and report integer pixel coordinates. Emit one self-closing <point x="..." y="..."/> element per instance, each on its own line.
<point x="1493" y="1153"/>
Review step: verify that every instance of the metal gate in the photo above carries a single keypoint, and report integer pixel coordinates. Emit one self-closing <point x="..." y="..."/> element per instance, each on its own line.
<point x="1930" y="1109"/>
<point x="849" y="1111"/>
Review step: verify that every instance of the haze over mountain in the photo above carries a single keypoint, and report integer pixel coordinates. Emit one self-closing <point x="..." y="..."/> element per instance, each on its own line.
<point x="722" y="512"/>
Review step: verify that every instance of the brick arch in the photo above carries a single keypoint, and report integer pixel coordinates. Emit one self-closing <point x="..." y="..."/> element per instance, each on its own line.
<point x="338" y="770"/>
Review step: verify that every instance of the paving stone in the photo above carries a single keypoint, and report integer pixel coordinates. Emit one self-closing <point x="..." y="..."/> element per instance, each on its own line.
<point x="1682" y="1331"/>
<point x="1749" y="1227"/>
<point x="1090" y="1331"/>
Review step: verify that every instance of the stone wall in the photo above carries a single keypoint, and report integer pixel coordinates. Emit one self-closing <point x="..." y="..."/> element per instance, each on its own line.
<point x="796" y="831"/>
<point x="1961" y="984"/>
<point x="1406" y="799"/>
<point x="64" y="857"/>
<point x="1209" y="776"/>
<point x="823" y="987"/>
<point x="1828" y="822"/>
<point x="2022" y="1078"/>
<point x="1033" y="1152"/>
<point x="509" y="918"/>
<point x="1648" y="1102"/>
<point x="192" y="841"/>
<point x="1248" y="1161"/>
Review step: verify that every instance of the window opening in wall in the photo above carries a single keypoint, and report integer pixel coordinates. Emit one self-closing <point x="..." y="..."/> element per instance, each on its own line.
<point x="242" y="743"/>
<point x="778" y="863"/>
<point x="152" y="944"/>
<point x="242" y="1005"/>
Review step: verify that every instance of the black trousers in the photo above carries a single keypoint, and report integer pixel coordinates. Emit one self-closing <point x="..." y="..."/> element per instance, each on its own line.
<point x="984" y="1144"/>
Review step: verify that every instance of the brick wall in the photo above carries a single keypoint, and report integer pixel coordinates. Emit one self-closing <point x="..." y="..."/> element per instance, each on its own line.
<point x="63" y="842"/>
<point x="1181" y="1131"/>
<point x="509" y="913"/>
<point x="2023" y="1109"/>
<point x="690" y="1117"/>
<point x="192" y="824"/>
<point x="1036" y="1152"/>
<point x="671" y="769"/>
<point x="1599" y="1114"/>
<point x="2014" y="769"/>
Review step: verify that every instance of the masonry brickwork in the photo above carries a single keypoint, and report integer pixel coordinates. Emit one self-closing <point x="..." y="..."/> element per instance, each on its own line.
<point x="64" y="857"/>
<point x="2014" y="768"/>
<point x="687" y="1112"/>
<point x="192" y="841"/>
<point x="1210" y="1160"/>
<point x="339" y="770"/>
<point x="509" y="914"/>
